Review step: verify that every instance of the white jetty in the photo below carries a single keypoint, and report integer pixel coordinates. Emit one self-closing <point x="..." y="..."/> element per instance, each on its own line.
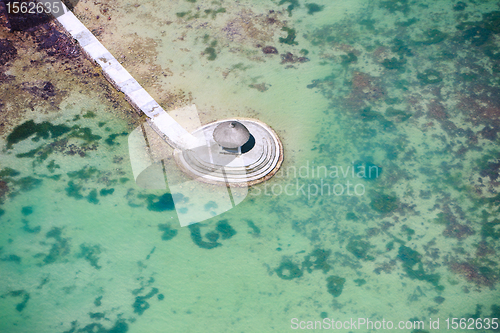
<point x="204" y="155"/>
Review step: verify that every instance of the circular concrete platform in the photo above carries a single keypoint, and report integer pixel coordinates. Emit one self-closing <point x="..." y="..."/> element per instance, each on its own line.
<point x="255" y="162"/>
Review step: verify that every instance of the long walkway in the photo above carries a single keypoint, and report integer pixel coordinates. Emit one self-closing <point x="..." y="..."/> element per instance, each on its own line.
<point x="160" y="120"/>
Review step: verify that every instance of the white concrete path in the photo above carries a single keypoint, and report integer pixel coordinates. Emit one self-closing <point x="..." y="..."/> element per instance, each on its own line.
<point x="161" y="121"/>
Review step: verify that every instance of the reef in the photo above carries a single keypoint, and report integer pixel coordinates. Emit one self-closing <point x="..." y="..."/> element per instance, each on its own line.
<point x="43" y="130"/>
<point x="335" y="285"/>
<point x="429" y="76"/>
<point x="490" y="229"/>
<point x="292" y="5"/>
<point x="7" y="51"/>
<point x="120" y="326"/>
<point x="225" y="229"/>
<point x="313" y="8"/>
<point x="255" y="231"/>
<point x="59" y="248"/>
<point x="458" y="231"/>
<point x="359" y="249"/>
<point x="348" y="59"/>
<point x="476" y="273"/>
<point x="140" y="305"/>
<point x="210" y="51"/>
<point x="412" y="258"/>
<point x="394" y="63"/>
<point x="290" y="58"/>
<point x="157" y="203"/>
<point x="27" y="210"/>
<point x="383" y="203"/>
<point x="25" y="296"/>
<point x="198" y="238"/>
<point x="287" y="270"/>
<point x="30" y="230"/>
<point x="290" y="38"/>
<point x="110" y="140"/>
<point x="168" y="232"/>
<point x="317" y="260"/>
<point x="270" y="50"/>
<point x="90" y="253"/>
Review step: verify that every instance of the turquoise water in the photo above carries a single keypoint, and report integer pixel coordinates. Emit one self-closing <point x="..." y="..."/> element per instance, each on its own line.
<point x="386" y="206"/>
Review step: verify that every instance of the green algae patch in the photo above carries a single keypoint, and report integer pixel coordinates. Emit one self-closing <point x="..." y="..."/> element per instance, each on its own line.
<point x="255" y="230"/>
<point x="211" y="205"/>
<point x="360" y="282"/>
<point x="60" y="248"/>
<point x="348" y="59"/>
<point x="168" y="232"/>
<point x="89" y="115"/>
<point x="140" y="304"/>
<point x="212" y="236"/>
<point x="429" y="76"/>
<point x="225" y="229"/>
<point x="394" y="6"/>
<point x="84" y="173"/>
<point x="23" y="294"/>
<point x="368" y="115"/>
<point x="27" y="210"/>
<point x="160" y="203"/>
<point x="367" y="170"/>
<point x="12" y="258"/>
<point x="399" y="115"/>
<point x="210" y="51"/>
<point x="52" y="166"/>
<point x="383" y="203"/>
<point x="97" y="315"/>
<point x="29" y="229"/>
<point x="29" y="128"/>
<point x="197" y="238"/>
<point x="351" y="217"/>
<point x="313" y="8"/>
<point x="83" y="133"/>
<point x="433" y="36"/>
<point x="110" y="140"/>
<point x="359" y="249"/>
<point x="477" y="36"/>
<point x="290" y="38"/>
<point x="292" y="5"/>
<point x="8" y="172"/>
<point x="73" y="190"/>
<point x="214" y="12"/>
<point x="106" y="191"/>
<point x="27" y="183"/>
<point x="412" y="258"/>
<point x="491" y="229"/>
<point x="97" y="301"/>
<point x="120" y="326"/>
<point x="407" y="23"/>
<point x="92" y="197"/>
<point x="287" y="270"/>
<point x="317" y="260"/>
<point x="182" y="14"/>
<point x="491" y="21"/>
<point x="395" y="63"/>
<point x="335" y="285"/>
<point x="91" y="254"/>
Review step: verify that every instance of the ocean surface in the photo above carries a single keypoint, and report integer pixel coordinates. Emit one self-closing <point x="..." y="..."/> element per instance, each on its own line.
<point x="386" y="207"/>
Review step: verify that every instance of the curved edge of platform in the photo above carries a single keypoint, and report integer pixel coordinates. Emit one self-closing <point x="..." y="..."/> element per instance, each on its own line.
<point x="268" y="175"/>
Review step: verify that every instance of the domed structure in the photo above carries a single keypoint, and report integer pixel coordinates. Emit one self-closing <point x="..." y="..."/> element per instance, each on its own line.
<point x="257" y="154"/>
<point x="231" y="134"/>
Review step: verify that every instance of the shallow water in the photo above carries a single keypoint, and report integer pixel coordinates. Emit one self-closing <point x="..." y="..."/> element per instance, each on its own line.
<point x="406" y="90"/>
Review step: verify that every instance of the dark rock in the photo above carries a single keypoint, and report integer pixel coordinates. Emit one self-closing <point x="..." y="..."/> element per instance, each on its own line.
<point x="270" y="50"/>
<point x="7" y="51"/>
